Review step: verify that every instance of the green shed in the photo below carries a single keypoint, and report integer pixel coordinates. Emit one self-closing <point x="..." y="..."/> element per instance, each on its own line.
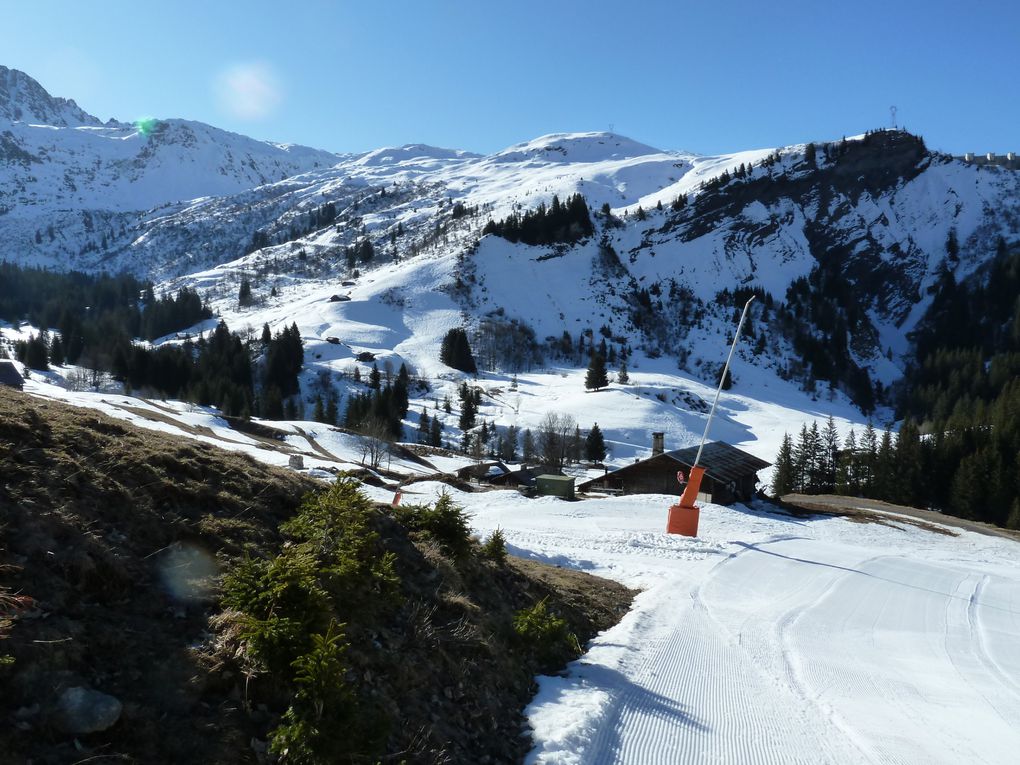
<point x="555" y="486"/>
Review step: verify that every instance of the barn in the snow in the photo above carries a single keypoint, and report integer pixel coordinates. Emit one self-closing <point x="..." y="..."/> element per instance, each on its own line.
<point x="731" y="475"/>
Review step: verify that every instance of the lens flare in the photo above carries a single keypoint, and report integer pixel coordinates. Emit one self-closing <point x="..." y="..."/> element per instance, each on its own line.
<point x="146" y="125"/>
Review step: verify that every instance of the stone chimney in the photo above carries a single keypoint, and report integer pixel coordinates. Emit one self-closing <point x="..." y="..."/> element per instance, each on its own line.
<point x="658" y="443"/>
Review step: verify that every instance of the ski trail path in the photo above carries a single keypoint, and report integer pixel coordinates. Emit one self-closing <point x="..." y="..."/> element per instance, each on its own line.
<point x="795" y="650"/>
<point x="772" y="639"/>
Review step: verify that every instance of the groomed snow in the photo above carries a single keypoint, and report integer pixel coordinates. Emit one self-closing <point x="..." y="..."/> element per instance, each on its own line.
<point x="773" y="639"/>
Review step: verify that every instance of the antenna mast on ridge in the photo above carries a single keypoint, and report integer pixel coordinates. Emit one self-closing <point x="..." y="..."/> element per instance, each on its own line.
<point x="892" y="115"/>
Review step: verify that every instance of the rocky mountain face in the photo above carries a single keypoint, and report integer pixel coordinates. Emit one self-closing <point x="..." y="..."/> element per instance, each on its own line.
<point x="843" y="242"/>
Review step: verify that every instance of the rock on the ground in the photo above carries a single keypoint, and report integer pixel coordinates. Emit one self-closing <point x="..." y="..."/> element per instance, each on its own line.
<point x="83" y="710"/>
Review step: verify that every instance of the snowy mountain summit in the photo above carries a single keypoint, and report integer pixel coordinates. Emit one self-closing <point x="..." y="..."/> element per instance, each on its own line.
<point x="22" y="99"/>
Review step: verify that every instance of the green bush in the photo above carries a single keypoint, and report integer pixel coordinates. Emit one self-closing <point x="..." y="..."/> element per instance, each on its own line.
<point x="546" y="635"/>
<point x="495" y="546"/>
<point x="281" y="600"/>
<point x="332" y="569"/>
<point x="444" y="522"/>
<point x="306" y="735"/>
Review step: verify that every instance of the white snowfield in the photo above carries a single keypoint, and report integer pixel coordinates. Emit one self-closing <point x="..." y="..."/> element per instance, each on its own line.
<point x="771" y="639"/>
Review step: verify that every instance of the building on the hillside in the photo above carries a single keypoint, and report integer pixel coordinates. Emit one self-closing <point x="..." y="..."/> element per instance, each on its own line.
<point x="524" y="476"/>
<point x="483" y="471"/>
<point x="731" y="475"/>
<point x="561" y="486"/>
<point x="10" y="376"/>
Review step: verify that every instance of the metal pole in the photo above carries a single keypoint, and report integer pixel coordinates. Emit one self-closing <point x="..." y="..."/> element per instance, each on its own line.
<point x="722" y="379"/>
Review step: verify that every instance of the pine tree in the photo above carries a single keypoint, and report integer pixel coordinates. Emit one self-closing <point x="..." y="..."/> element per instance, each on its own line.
<point x="866" y="464"/>
<point x="436" y="432"/>
<point x="784" y="477"/>
<point x="455" y="351"/>
<point x="885" y="469"/>
<point x="622" y="377"/>
<point x="508" y="451"/>
<point x="846" y="469"/>
<point x="424" y="424"/>
<point x="830" y="441"/>
<point x="57" y="356"/>
<point x="244" y="297"/>
<point x="595" y="445"/>
<point x="528" y="446"/>
<point x="467" y="414"/>
<point x="596" y="377"/>
<point x="575" y="445"/>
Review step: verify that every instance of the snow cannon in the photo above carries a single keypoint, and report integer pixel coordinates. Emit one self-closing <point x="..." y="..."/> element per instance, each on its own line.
<point x="683" y="518"/>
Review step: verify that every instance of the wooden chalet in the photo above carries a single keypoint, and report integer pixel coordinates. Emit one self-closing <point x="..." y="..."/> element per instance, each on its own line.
<point x="731" y="475"/>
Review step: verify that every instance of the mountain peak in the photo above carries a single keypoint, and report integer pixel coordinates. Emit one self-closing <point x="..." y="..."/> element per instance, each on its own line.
<point x="576" y="147"/>
<point x="22" y="99"/>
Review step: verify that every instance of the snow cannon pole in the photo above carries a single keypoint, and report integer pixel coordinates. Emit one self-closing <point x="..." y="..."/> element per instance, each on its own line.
<point x="683" y="518"/>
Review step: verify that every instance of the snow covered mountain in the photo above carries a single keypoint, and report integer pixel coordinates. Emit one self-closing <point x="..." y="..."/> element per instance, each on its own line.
<point x="65" y="176"/>
<point x="843" y="241"/>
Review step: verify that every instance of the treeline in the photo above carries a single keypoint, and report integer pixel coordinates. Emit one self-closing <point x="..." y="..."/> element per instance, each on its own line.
<point x="964" y="390"/>
<point x="379" y="411"/>
<point x="93" y="309"/>
<point x="241" y="377"/>
<point x="968" y="472"/>
<point x="301" y="225"/>
<point x="558" y="223"/>
<point x="821" y="312"/>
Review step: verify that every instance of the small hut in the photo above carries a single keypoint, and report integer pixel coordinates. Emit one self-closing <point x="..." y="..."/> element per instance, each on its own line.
<point x="731" y="475"/>
<point x="561" y="486"/>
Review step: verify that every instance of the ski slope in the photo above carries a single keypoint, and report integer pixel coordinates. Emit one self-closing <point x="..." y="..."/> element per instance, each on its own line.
<point x="770" y="639"/>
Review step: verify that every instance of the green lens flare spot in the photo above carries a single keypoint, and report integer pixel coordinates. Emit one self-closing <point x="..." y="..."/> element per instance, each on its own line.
<point x="146" y="125"/>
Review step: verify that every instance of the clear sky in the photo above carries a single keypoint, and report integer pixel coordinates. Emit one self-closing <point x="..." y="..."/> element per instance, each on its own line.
<point x="709" y="76"/>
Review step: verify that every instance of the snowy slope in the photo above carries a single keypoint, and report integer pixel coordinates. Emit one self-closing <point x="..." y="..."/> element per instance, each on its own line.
<point x="772" y="639"/>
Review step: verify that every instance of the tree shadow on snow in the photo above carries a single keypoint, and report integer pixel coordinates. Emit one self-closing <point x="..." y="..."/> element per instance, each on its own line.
<point x="628" y="699"/>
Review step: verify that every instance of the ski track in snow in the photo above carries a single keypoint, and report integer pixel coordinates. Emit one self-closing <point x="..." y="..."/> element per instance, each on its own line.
<point x="838" y="643"/>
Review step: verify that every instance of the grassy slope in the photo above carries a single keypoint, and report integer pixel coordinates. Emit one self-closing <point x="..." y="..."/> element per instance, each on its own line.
<point x="117" y="536"/>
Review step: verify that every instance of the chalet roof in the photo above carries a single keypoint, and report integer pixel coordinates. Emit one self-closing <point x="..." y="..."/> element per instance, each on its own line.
<point x="9" y="375"/>
<point x="721" y="461"/>
<point x="556" y="478"/>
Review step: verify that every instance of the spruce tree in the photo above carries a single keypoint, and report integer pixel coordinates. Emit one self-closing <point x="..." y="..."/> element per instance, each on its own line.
<point x="595" y="445"/>
<point x="424" y="425"/>
<point x="596" y="378"/>
<point x="528" y="446"/>
<point x="783" y="478"/>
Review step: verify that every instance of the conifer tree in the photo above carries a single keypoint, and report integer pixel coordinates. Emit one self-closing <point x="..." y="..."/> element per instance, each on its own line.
<point x="596" y="378"/>
<point x="622" y="377"/>
<point x="846" y="470"/>
<point x="784" y="477"/>
<point x="830" y="440"/>
<point x="424" y="426"/>
<point x="528" y="446"/>
<point x="595" y="445"/>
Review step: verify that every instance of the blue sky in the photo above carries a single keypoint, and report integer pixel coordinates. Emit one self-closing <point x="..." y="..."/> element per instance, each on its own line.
<point x="706" y="76"/>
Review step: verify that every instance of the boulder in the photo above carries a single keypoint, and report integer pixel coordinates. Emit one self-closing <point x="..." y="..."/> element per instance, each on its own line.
<point x="84" y="710"/>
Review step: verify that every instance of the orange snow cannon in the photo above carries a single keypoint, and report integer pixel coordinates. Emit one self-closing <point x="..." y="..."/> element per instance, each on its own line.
<point x="683" y="518"/>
